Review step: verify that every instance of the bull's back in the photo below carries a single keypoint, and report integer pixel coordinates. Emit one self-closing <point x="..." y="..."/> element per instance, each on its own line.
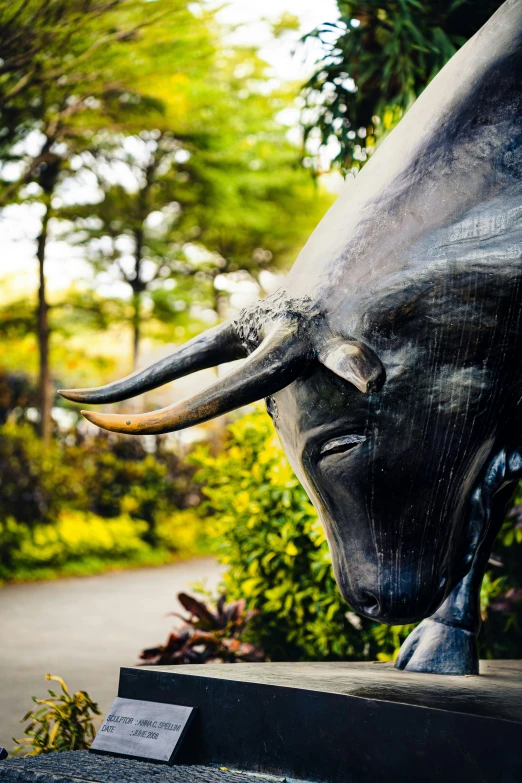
<point x="454" y="159"/>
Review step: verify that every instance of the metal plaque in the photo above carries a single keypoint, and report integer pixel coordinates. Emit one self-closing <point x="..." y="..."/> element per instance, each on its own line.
<point x="143" y="729"/>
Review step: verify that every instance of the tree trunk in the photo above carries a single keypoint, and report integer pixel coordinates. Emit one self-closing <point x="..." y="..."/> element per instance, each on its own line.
<point x="136" y="290"/>
<point x="44" y="382"/>
<point x="136" y="329"/>
<point x="138" y="286"/>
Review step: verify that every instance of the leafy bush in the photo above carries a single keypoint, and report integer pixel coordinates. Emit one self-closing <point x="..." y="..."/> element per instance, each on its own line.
<point x="390" y="56"/>
<point x="33" y="479"/>
<point x="17" y="392"/>
<point x="501" y="598"/>
<point x="116" y="476"/>
<point x="207" y="635"/>
<point x="62" y="722"/>
<point x="107" y="475"/>
<point x="80" y="542"/>
<point x="73" y="507"/>
<point x="267" y="533"/>
<point x="184" y="532"/>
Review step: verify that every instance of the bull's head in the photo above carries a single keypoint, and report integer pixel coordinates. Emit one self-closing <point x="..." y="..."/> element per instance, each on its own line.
<point x="391" y="362"/>
<point x="389" y="449"/>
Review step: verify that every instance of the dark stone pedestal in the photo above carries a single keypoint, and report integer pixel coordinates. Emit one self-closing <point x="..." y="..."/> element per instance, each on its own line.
<point x="333" y="723"/>
<point x="348" y="722"/>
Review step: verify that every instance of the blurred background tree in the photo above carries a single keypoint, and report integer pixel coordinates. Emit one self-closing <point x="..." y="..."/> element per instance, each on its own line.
<point x="378" y="58"/>
<point x="151" y="148"/>
<point x="63" y="73"/>
<point x="141" y="86"/>
<point x="224" y="195"/>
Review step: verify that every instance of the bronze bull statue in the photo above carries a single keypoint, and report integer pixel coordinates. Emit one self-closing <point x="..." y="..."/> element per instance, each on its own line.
<point x="391" y="361"/>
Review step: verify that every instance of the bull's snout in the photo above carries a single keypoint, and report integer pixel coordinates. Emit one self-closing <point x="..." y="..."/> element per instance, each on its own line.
<point x="396" y="607"/>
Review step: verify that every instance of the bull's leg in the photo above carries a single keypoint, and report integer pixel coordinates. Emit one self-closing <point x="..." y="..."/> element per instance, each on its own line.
<point x="446" y="642"/>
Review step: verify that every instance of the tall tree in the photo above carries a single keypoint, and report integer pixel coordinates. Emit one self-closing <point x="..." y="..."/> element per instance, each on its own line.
<point x="136" y="230"/>
<point x="378" y="57"/>
<point x="221" y="178"/>
<point x="69" y="68"/>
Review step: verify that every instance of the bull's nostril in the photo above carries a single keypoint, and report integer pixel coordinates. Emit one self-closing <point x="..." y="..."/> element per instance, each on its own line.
<point x="369" y="603"/>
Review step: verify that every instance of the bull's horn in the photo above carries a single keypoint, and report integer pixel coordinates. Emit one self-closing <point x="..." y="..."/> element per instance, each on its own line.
<point x="215" y="346"/>
<point x="355" y="362"/>
<point x="280" y="358"/>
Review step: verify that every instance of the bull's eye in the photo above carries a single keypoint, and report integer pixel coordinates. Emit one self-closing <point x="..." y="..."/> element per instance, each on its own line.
<point x="342" y="444"/>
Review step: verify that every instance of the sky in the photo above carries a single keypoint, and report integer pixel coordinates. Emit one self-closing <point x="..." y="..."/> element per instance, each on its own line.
<point x="19" y="225"/>
<point x="278" y="53"/>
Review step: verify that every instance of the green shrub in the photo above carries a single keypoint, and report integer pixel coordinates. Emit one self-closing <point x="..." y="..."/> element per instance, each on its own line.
<point x="115" y="476"/>
<point x="76" y="539"/>
<point x="83" y="506"/>
<point x="34" y="480"/>
<point x="501" y="595"/>
<point x="62" y="722"/>
<point x="107" y="475"/>
<point x="81" y="543"/>
<point x="268" y="535"/>
<point x="183" y="531"/>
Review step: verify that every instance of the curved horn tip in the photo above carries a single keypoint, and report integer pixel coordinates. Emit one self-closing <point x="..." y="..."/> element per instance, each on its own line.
<point x="99" y="419"/>
<point x="75" y="395"/>
<point x="114" y="422"/>
<point x="89" y="415"/>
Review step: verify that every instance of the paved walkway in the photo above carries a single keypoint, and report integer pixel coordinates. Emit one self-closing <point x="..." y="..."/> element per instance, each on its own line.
<point x="84" y="630"/>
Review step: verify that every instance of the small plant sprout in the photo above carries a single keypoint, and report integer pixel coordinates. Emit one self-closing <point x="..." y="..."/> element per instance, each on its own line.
<point x="61" y="722"/>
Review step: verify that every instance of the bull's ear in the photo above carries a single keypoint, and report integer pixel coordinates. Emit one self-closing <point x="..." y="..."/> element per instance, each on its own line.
<point x="355" y="362"/>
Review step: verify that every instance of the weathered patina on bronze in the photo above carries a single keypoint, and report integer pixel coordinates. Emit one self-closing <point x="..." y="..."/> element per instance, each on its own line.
<point x="392" y="359"/>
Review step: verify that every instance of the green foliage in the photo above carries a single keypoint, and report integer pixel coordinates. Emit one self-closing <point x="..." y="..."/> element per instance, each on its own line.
<point x="117" y="476"/>
<point x="33" y="486"/>
<point x="74" y="72"/>
<point x="103" y="502"/>
<point x="74" y="537"/>
<point x="255" y="195"/>
<point x="71" y="67"/>
<point x="60" y="722"/>
<point x="277" y="558"/>
<point x="378" y="59"/>
<point x="104" y="475"/>
<point x="80" y="543"/>
<point x="501" y="598"/>
<point x="175" y="131"/>
<point x="220" y="193"/>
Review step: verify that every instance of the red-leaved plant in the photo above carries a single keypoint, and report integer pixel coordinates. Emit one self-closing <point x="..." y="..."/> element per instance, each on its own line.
<point x="207" y="635"/>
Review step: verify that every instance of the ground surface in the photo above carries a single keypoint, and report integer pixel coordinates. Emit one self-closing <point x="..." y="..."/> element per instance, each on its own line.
<point x="84" y="767"/>
<point x="84" y="630"/>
